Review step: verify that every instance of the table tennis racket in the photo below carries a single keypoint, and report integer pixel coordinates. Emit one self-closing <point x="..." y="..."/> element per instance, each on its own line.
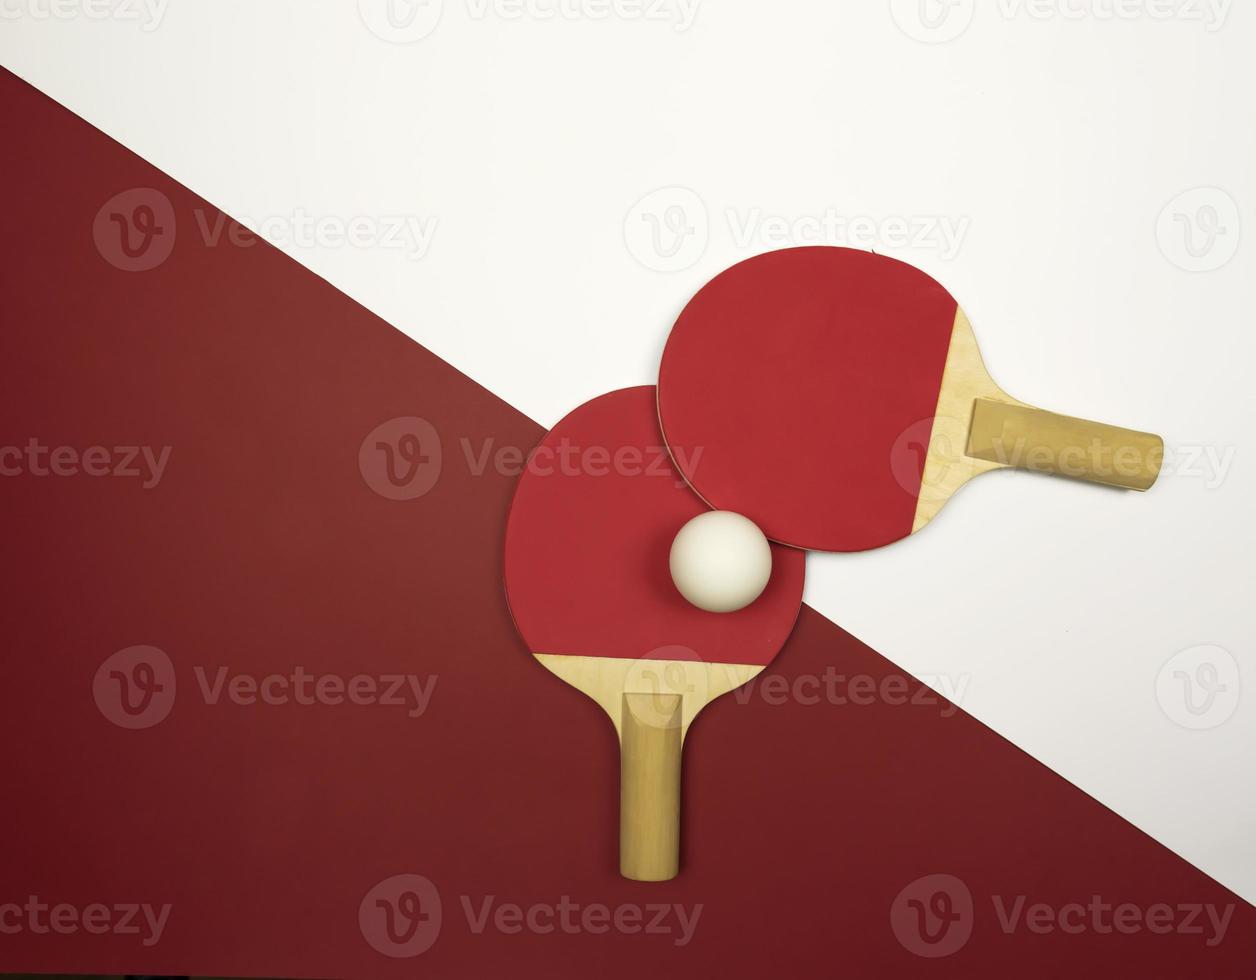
<point x="840" y="400"/>
<point x="588" y="583"/>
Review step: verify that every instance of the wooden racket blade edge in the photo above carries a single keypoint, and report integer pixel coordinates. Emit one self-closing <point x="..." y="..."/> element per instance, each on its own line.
<point x="607" y="679"/>
<point x="947" y="466"/>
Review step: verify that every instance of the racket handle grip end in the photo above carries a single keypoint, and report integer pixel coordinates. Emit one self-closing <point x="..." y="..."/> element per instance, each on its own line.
<point x="1033" y="439"/>
<point x="649" y="786"/>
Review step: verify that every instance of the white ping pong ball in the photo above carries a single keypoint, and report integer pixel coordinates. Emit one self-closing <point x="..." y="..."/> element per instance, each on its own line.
<point x="720" y="561"/>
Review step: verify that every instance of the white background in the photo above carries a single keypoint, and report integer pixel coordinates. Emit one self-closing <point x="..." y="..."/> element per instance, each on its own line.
<point x="1058" y="141"/>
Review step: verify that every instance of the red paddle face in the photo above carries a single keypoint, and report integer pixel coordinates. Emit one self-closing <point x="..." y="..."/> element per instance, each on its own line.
<point x="798" y="371"/>
<point x="587" y="544"/>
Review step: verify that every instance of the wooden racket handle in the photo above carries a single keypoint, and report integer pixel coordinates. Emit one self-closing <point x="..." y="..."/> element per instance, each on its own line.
<point x="1031" y="439"/>
<point x="649" y="787"/>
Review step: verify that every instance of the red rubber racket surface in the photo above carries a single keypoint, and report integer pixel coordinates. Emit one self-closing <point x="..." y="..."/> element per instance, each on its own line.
<point x="587" y="544"/>
<point x="798" y="372"/>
